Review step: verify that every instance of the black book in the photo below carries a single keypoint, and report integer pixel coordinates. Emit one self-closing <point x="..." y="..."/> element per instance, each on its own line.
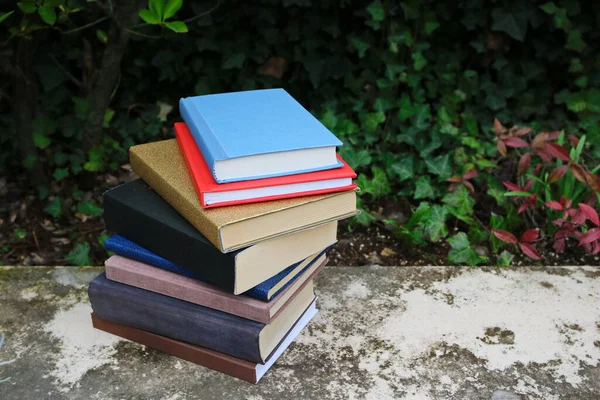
<point x="136" y="212"/>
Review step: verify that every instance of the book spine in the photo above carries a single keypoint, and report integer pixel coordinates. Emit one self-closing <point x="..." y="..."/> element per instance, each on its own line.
<point x="171" y="285"/>
<point x="231" y="366"/>
<point x="170" y="244"/>
<point x="177" y="319"/>
<point x="203" y="135"/>
<point x="176" y="199"/>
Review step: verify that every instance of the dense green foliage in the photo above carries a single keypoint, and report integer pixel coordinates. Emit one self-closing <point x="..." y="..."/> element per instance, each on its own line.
<point x="411" y="87"/>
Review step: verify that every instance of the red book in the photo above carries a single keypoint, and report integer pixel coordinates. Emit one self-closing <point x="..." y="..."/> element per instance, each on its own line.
<point x="213" y="194"/>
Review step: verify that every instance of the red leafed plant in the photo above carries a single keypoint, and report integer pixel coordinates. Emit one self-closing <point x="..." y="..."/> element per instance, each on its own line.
<point x="456" y="180"/>
<point x="551" y="166"/>
<point x="527" y="238"/>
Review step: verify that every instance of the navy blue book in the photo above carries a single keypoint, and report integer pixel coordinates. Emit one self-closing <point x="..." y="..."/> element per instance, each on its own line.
<point x="258" y="134"/>
<point x="265" y="291"/>
<point x="191" y="323"/>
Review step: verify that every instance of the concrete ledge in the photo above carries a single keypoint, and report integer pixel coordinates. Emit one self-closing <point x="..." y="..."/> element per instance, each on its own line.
<point x="382" y="332"/>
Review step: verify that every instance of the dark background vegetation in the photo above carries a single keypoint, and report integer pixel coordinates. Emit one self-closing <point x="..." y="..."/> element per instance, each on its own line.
<point x="411" y="87"/>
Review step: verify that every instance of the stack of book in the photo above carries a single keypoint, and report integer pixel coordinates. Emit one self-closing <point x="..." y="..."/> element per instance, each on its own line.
<point x="217" y="245"/>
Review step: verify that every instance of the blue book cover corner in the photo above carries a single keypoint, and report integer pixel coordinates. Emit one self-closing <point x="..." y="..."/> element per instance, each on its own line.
<point x="239" y="124"/>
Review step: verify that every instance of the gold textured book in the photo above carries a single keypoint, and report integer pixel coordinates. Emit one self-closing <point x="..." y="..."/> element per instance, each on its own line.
<point x="162" y="166"/>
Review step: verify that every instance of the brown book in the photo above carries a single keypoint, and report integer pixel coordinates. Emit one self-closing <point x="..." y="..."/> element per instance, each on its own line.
<point x="144" y="276"/>
<point x="162" y="166"/>
<point x="238" y="368"/>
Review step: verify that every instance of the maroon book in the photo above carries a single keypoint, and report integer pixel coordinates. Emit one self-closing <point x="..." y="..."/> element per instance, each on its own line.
<point x="235" y="367"/>
<point x="144" y="276"/>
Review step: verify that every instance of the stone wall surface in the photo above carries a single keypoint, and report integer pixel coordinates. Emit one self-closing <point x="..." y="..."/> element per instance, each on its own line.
<point x="381" y="333"/>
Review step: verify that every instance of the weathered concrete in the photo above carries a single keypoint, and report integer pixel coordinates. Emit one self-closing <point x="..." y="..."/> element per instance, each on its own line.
<point x="382" y="332"/>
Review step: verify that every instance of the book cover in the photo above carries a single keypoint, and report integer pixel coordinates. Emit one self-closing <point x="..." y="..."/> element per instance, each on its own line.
<point x="235" y="367"/>
<point x="191" y="323"/>
<point x="139" y="214"/>
<point x="213" y="194"/>
<point x="161" y="165"/>
<point x="265" y="291"/>
<point x="244" y="124"/>
<point x="147" y="277"/>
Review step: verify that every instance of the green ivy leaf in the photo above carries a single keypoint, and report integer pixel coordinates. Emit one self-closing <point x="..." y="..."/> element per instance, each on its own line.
<point x="504" y="259"/>
<point x="81" y="107"/>
<point x="404" y="168"/>
<point x="549" y="8"/>
<point x="5" y="15"/>
<point x="575" y="41"/>
<point x="171" y="8"/>
<point x="471" y="142"/>
<point x="60" y="173"/>
<point x="423" y="189"/>
<point x="459" y="241"/>
<point x="461" y="253"/>
<point x="423" y="116"/>
<point x="149" y="17"/>
<point x="40" y="140"/>
<point x="430" y="27"/>
<point x="89" y="208"/>
<point x="364" y="218"/>
<point x="495" y="102"/>
<point x="47" y="13"/>
<point x="234" y="61"/>
<point x="329" y="118"/>
<point x="28" y="7"/>
<point x="378" y="186"/>
<point x="419" y="214"/>
<point x="93" y="166"/>
<point x="575" y="66"/>
<point x="498" y="195"/>
<point x="440" y="166"/>
<point x="102" y="239"/>
<point x="406" y="110"/>
<point x="434" y="223"/>
<point x="404" y="38"/>
<point x="461" y="201"/>
<point x="360" y="45"/>
<point x="157" y="7"/>
<point x="581" y="82"/>
<point x="419" y="61"/>
<point x="54" y="207"/>
<point x="561" y="20"/>
<point x="177" y="26"/>
<point x="371" y="121"/>
<point x="80" y="255"/>
<point x="376" y="11"/>
<point x="355" y="159"/>
<point x="515" y="25"/>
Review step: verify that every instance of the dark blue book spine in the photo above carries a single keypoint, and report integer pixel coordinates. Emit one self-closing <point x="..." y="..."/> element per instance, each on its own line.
<point x="177" y="319"/>
<point x="126" y="248"/>
<point x="261" y="291"/>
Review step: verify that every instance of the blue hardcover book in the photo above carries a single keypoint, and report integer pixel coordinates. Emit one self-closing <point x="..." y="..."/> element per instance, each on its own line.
<point x="258" y="134"/>
<point x="265" y="291"/>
